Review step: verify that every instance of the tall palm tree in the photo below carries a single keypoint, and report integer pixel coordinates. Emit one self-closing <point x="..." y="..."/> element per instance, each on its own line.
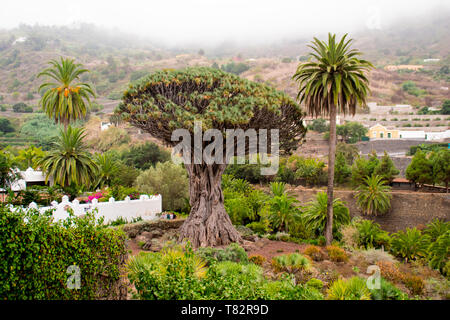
<point x="65" y="100"/>
<point x="333" y="80"/>
<point x="70" y="162"/>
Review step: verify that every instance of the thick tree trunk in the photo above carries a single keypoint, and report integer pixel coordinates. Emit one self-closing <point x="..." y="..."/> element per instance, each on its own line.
<point x="330" y="188"/>
<point x="208" y="223"/>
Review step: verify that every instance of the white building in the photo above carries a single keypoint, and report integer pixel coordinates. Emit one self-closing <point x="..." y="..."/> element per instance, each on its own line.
<point x="30" y="177"/>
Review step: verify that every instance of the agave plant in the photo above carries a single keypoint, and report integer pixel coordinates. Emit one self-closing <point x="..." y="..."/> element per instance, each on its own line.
<point x="373" y="196"/>
<point x="315" y="213"/>
<point x="65" y="100"/>
<point x="70" y="162"/>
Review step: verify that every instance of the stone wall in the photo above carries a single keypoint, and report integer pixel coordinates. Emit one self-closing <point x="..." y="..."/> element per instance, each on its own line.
<point x="408" y="209"/>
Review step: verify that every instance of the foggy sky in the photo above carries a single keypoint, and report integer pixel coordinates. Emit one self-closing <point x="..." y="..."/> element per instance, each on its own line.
<point x="209" y="22"/>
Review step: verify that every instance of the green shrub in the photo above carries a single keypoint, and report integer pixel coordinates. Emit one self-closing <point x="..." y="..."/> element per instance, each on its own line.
<point x="173" y="274"/>
<point x="35" y="254"/>
<point x="351" y="289"/>
<point x="145" y="155"/>
<point x="167" y="179"/>
<point x="370" y="235"/>
<point x="410" y="244"/>
<point x="315" y="283"/>
<point x="285" y="290"/>
<point x="291" y="263"/>
<point x="233" y="252"/>
<point x="387" y="291"/>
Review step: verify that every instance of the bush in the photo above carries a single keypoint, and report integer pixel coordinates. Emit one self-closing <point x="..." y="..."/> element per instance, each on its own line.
<point x="173" y="274"/>
<point x="179" y="274"/>
<point x="167" y="179"/>
<point x="257" y="259"/>
<point x="233" y="252"/>
<point x="22" y="108"/>
<point x="390" y="271"/>
<point x="291" y="263"/>
<point x="315" y="283"/>
<point x="415" y="284"/>
<point x="352" y="289"/>
<point x="410" y="244"/>
<point x="373" y="256"/>
<point x="337" y="254"/>
<point x="388" y="291"/>
<point x="314" y="252"/>
<point x="35" y="255"/>
<point x="144" y="156"/>
<point x="370" y="235"/>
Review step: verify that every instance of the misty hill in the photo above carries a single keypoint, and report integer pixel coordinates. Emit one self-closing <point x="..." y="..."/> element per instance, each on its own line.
<point x="115" y="58"/>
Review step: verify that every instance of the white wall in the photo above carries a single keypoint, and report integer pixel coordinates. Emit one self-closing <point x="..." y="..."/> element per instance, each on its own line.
<point x="412" y="134"/>
<point x="146" y="207"/>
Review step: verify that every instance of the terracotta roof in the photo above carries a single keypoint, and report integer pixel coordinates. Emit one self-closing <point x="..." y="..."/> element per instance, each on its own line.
<point x="401" y="180"/>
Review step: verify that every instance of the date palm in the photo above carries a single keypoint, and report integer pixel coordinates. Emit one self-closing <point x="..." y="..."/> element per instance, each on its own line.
<point x="107" y="168"/>
<point x="333" y="80"/>
<point x="69" y="161"/>
<point x="65" y="99"/>
<point x="374" y="196"/>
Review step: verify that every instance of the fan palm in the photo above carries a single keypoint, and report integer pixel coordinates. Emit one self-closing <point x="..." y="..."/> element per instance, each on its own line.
<point x="373" y="196"/>
<point x="65" y="100"/>
<point x="69" y="162"/>
<point x="334" y="80"/>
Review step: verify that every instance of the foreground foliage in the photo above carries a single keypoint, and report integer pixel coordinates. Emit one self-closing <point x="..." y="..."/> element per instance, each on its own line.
<point x="35" y="255"/>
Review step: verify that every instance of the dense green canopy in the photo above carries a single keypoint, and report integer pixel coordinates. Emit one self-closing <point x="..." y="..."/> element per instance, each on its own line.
<point x="170" y="99"/>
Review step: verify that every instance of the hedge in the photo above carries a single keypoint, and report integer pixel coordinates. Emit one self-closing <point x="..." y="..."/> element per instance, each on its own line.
<point x="35" y="254"/>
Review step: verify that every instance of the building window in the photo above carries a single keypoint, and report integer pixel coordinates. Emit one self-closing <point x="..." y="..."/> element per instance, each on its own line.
<point x="389" y="135"/>
<point x="381" y="135"/>
<point x="374" y="134"/>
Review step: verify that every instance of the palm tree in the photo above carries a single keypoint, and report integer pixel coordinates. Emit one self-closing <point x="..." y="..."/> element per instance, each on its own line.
<point x="70" y="162"/>
<point x="315" y="213"/>
<point x="65" y="100"/>
<point x="333" y="80"/>
<point x="30" y="156"/>
<point x="373" y="196"/>
<point x="107" y="168"/>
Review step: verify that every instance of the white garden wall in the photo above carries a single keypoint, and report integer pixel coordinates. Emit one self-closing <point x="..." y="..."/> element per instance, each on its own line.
<point x="145" y="207"/>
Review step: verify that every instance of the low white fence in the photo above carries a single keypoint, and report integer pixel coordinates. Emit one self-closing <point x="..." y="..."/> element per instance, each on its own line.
<point x="145" y="207"/>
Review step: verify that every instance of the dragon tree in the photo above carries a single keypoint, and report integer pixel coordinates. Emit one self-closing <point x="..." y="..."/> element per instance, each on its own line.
<point x="168" y="100"/>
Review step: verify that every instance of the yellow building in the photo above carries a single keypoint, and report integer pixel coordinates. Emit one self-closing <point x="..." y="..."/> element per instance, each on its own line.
<point x="380" y="132"/>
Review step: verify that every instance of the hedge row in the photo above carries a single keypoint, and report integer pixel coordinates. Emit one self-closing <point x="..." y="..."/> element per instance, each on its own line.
<point x="35" y="254"/>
